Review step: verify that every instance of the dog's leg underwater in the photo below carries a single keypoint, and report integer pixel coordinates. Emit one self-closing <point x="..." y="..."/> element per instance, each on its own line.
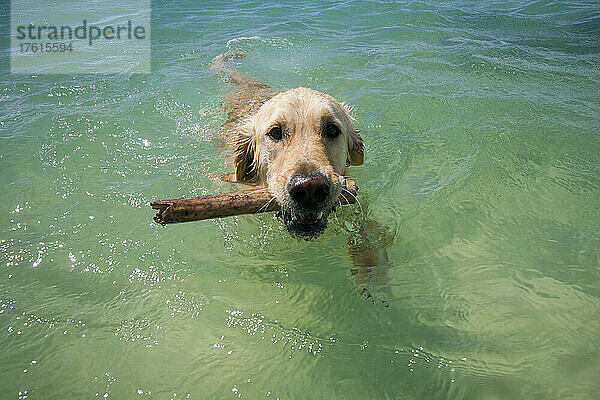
<point x="367" y="249"/>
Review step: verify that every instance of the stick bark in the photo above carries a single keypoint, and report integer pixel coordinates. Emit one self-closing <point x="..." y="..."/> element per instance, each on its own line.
<point x="224" y="205"/>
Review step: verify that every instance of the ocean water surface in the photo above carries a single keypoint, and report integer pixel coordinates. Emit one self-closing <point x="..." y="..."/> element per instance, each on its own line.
<point x="481" y="124"/>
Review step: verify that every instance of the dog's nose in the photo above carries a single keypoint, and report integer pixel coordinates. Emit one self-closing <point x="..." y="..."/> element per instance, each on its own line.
<point x="309" y="190"/>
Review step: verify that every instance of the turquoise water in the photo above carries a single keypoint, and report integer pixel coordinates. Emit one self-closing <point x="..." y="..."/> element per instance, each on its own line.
<point x="481" y="124"/>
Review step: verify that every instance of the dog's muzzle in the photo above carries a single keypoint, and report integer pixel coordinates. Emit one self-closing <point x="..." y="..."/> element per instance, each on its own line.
<point x="309" y="192"/>
<point x="310" y="196"/>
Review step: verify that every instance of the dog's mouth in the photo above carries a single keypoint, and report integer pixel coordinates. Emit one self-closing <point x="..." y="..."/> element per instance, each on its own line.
<point x="306" y="204"/>
<point x="306" y="225"/>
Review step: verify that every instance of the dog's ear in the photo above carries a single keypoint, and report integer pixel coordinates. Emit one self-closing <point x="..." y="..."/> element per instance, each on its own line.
<point x="356" y="148"/>
<point x="243" y="162"/>
<point x="244" y="159"/>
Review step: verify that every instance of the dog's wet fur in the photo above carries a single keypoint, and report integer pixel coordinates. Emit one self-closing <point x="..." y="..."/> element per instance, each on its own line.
<point x="297" y="143"/>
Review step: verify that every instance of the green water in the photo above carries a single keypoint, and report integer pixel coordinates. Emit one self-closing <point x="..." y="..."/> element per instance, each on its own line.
<point x="481" y="126"/>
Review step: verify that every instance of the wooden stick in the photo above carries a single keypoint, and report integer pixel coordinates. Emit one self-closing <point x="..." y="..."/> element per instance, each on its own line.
<point x="224" y="205"/>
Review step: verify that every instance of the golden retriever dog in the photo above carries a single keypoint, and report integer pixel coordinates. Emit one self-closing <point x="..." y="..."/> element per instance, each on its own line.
<point x="297" y="143"/>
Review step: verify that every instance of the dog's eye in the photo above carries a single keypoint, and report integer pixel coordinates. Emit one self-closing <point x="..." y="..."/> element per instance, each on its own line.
<point x="332" y="131"/>
<point x="275" y="133"/>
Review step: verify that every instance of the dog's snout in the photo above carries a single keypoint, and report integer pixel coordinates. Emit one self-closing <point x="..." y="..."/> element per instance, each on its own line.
<point x="309" y="190"/>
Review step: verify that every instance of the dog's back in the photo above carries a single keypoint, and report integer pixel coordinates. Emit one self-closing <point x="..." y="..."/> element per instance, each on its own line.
<point x="248" y="94"/>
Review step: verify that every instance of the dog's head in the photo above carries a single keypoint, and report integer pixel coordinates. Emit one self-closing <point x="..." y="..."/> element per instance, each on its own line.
<point x="299" y="144"/>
